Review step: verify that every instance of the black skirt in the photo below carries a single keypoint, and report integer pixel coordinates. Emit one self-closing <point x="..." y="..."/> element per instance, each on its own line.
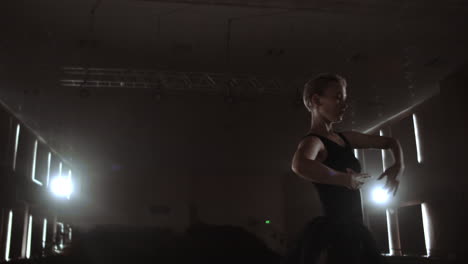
<point x="345" y="241"/>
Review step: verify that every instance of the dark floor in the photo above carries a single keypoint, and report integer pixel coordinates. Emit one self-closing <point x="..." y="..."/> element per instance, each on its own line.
<point x="203" y="244"/>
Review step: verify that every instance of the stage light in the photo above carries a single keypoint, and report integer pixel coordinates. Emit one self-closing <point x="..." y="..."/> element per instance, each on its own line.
<point x="62" y="186"/>
<point x="8" y="236"/>
<point x="380" y="195"/>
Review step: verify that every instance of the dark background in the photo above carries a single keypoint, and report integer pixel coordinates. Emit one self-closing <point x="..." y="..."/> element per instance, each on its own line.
<point x="148" y="155"/>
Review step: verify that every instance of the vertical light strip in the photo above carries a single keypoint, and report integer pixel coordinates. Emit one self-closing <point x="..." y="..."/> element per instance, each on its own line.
<point x="356" y="153"/>
<point x="44" y="234"/>
<point x="49" y="160"/>
<point x="69" y="182"/>
<point x="426" y="228"/>
<point x="16" y="146"/>
<point x="60" y="169"/>
<point x="62" y="228"/>
<point x="393" y="228"/>
<point x="69" y="234"/>
<point x="389" y="231"/>
<point x="33" y="170"/>
<point x="8" y="238"/>
<point x="384" y="165"/>
<point x="28" y="245"/>
<point x="61" y="234"/>
<point x="417" y="136"/>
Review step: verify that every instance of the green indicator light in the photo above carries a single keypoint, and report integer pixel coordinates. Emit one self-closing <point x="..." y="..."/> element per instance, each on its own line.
<point x="267" y="222"/>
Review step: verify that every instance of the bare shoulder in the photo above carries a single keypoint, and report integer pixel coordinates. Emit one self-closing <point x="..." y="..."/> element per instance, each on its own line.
<point x="310" y="147"/>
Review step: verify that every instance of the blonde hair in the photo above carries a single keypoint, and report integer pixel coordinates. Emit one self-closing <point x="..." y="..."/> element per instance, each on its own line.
<point x="317" y="85"/>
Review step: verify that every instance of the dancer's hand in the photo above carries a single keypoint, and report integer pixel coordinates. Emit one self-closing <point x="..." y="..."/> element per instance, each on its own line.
<point x="357" y="179"/>
<point x="392" y="174"/>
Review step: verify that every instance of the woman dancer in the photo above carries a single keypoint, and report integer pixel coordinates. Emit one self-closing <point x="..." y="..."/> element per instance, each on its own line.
<point x="326" y="158"/>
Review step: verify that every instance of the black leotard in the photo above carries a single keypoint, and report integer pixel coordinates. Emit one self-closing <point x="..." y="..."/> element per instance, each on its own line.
<point x="341" y="230"/>
<point x="338" y="202"/>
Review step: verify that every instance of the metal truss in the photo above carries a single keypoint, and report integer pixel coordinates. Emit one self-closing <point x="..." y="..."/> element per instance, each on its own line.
<point x="172" y="82"/>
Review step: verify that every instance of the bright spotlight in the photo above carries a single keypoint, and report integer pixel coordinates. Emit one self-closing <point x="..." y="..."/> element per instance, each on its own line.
<point x="62" y="186"/>
<point x="380" y="195"/>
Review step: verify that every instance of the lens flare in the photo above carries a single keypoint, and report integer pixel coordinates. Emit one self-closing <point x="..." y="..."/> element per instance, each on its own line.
<point x="62" y="186"/>
<point x="380" y="195"/>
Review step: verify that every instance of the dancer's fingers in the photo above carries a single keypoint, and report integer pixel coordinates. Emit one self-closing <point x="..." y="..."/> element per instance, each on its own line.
<point x="360" y="183"/>
<point x="382" y="175"/>
<point x="357" y="186"/>
<point x="365" y="175"/>
<point x="396" y="188"/>
<point x="387" y="184"/>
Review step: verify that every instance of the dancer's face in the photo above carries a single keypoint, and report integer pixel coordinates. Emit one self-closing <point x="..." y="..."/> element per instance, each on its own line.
<point x="332" y="104"/>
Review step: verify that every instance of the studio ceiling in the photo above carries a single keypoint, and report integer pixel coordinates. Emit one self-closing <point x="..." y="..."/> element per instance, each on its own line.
<point x="393" y="53"/>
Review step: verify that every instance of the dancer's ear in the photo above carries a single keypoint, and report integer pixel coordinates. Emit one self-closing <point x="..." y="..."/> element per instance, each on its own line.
<point x="315" y="99"/>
